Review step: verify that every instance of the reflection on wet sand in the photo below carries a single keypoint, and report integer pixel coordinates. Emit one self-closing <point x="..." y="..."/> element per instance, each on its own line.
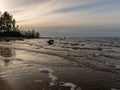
<point x="5" y="52"/>
<point x="4" y="85"/>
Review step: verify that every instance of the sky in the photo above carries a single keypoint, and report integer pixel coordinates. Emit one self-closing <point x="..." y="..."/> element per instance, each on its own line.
<point x="81" y="17"/>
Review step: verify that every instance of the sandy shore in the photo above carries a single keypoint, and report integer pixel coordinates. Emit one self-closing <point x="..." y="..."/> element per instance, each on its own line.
<point x="35" y="65"/>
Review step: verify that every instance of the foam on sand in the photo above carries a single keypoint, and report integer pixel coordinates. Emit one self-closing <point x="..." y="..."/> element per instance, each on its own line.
<point x="54" y="79"/>
<point x="72" y="86"/>
<point x="46" y="70"/>
<point x="50" y="75"/>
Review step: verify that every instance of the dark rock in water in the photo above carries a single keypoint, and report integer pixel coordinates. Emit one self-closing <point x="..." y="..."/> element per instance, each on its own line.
<point x="82" y="44"/>
<point x="74" y="44"/>
<point x="21" y="39"/>
<point x="50" y="42"/>
<point x="7" y="40"/>
<point x="100" y="49"/>
<point x="101" y="45"/>
<point x="37" y="48"/>
<point x="75" y="48"/>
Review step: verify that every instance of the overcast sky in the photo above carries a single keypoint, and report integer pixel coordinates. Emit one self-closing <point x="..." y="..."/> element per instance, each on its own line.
<point x="65" y="14"/>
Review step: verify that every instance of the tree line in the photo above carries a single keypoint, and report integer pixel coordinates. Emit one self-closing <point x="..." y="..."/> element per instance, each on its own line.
<point x="9" y="28"/>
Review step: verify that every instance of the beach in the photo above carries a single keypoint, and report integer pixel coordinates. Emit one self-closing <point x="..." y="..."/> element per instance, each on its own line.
<point x="67" y="64"/>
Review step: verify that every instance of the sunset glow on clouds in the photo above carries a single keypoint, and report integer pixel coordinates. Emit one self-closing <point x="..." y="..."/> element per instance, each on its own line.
<point x="64" y="13"/>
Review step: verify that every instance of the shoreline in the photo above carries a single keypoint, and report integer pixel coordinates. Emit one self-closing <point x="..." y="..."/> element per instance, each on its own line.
<point x="85" y="67"/>
<point x="7" y="39"/>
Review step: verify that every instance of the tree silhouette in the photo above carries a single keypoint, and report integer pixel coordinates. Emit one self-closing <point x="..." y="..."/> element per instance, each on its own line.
<point x="7" y="22"/>
<point x="9" y="28"/>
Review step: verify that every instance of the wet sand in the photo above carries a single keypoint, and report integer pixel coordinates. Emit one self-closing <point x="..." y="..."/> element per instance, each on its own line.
<point x="4" y="85"/>
<point x="20" y="70"/>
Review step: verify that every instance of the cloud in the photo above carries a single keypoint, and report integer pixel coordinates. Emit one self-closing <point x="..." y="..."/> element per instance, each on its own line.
<point x="90" y="6"/>
<point x="65" y="13"/>
<point x="13" y="4"/>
